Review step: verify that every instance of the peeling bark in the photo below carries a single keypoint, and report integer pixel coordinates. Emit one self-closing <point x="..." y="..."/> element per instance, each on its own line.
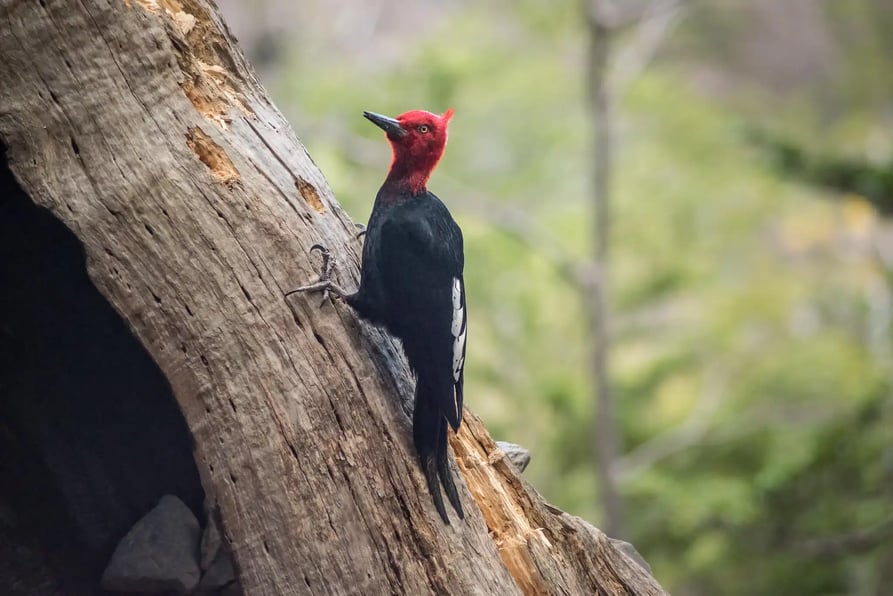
<point x="140" y="126"/>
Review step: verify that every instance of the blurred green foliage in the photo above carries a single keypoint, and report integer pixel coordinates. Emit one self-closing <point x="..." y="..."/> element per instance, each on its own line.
<point x="751" y="319"/>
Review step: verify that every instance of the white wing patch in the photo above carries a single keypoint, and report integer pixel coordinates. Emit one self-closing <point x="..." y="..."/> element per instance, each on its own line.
<point x="458" y="329"/>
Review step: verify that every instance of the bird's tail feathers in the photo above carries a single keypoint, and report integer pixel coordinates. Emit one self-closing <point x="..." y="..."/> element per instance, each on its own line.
<point x="453" y="409"/>
<point x="430" y="436"/>
<point x="443" y="468"/>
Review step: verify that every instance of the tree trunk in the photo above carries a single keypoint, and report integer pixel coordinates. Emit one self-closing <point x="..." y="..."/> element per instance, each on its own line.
<point x="605" y="438"/>
<point x="140" y="126"/>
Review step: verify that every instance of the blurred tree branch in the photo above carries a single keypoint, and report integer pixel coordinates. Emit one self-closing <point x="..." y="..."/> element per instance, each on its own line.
<point x="617" y="15"/>
<point x="698" y="431"/>
<point x="521" y="227"/>
<point x="842" y="174"/>
<point x="834" y="547"/>
<point x="634" y="56"/>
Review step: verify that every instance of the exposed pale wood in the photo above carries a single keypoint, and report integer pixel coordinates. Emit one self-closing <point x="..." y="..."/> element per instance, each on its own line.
<point x="546" y="550"/>
<point x="140" y="126"/>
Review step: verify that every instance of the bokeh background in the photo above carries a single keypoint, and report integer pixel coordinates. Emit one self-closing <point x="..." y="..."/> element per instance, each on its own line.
<point x="749" y="260"/>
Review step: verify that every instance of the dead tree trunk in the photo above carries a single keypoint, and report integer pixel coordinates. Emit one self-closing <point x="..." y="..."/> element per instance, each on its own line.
<point x="140" y="126"/>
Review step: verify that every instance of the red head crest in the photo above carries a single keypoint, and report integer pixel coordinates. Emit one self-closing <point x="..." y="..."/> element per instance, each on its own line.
<point x="418" y="139"/>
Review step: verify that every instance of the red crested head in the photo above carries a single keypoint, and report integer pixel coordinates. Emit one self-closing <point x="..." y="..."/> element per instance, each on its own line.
<point x="417" y="139"/>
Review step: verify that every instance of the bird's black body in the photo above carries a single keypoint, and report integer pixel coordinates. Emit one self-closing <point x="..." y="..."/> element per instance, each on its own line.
<point x="412" y="284"/>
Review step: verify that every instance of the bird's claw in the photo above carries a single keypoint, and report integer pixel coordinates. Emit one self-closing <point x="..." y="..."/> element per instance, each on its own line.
<point x="324" y="282"/>
<point x="328" y="265"/>
<point x="322" y="249"/>
<point x="361" y="228"/>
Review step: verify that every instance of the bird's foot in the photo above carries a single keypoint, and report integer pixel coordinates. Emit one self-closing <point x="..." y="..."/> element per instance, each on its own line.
<point x="361" y="230"/>
<point x="324" y="283"/>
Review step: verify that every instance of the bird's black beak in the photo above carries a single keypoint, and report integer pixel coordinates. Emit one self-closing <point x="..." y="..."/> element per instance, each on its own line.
<point x="389" y="125"/>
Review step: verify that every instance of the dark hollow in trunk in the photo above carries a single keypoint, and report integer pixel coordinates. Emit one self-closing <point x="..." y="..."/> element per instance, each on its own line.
<point x="90" y="434"/>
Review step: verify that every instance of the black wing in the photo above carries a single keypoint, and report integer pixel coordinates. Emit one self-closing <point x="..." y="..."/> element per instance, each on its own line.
<point x="421" y="262"/>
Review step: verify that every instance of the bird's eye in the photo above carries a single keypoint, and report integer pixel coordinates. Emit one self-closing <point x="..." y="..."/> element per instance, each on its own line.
<point x="423" y="128"/>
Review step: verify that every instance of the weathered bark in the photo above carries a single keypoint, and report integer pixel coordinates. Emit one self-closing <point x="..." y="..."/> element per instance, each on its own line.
<point x="140" y="126"/>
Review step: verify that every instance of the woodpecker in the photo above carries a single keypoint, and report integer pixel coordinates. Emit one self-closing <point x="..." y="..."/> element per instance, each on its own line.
<point x="411" y="283"/>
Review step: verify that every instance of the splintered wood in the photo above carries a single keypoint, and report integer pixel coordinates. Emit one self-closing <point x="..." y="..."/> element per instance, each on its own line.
<point x="545" y="550"/>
